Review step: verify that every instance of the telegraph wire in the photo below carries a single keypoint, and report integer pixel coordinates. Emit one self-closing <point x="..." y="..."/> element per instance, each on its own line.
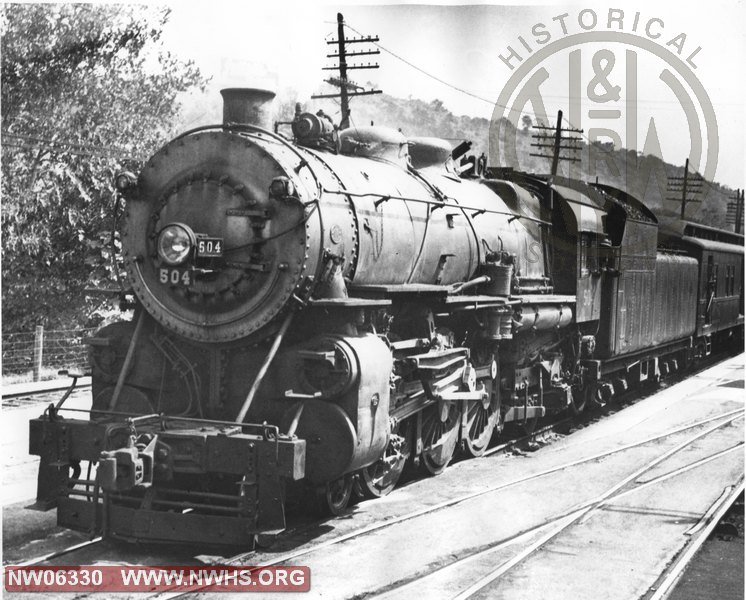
<point x="468" y="93"/>
<point x="436" y="78"/>
<point x="457" y="88"/>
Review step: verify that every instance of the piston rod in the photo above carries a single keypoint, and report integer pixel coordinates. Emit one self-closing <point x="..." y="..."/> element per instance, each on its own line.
<point x="265" y="366"/>
<point x="127" y="361"/>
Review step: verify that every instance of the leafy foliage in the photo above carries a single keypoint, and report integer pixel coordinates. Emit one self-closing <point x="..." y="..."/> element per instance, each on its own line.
<point x="87" y="91"/>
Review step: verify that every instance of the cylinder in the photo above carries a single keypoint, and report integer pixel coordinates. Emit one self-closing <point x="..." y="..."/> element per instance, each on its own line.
<point x="347" y="427"/>
<point x="250" y="106"/>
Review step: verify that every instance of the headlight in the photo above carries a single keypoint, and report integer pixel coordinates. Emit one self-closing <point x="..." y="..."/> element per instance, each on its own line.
<point x="175" y="243"/>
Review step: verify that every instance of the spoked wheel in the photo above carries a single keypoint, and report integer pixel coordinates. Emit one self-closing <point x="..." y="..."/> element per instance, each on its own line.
<point x="480" y="425"/>
<point x="381" y="477"/>
<point x="335" y="496"/>
<point x="439" y="436"/>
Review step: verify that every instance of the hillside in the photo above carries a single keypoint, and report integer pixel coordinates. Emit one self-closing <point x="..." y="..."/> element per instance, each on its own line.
<point x="647" y="174"/>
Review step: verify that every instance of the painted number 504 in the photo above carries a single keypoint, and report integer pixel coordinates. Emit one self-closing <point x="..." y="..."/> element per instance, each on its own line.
<point x="175" y="277"/>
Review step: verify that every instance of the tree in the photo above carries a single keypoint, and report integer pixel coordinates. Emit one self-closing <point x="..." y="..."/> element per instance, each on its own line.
<point x="87" y="90"/>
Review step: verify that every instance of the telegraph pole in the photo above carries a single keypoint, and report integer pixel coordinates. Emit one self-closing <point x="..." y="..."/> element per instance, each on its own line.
<point x="557" y="145"/>
<point x="683" y="193"/>
<point x="347" y="88"/>
<point x="343" y="72"/>
<point x="687" y="185"/>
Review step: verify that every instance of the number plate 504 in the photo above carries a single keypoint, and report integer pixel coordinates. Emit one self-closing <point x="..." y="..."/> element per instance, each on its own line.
<point x="209" y="247"/>
<point x="175" y="276"/>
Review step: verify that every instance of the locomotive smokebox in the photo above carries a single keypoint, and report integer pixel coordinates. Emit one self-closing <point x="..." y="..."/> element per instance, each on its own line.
<point x="247" y="105"/>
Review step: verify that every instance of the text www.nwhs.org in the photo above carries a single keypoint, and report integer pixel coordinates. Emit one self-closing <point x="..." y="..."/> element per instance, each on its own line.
<point x="160" y="578"/>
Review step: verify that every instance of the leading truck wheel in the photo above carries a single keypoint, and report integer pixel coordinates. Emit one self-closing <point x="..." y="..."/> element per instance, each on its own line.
<point x="381" y="477"/>
<point x="334" y="496"/>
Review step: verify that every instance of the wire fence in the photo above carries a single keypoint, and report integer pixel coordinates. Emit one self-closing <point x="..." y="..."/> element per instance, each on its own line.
<point x="40" y="352"/>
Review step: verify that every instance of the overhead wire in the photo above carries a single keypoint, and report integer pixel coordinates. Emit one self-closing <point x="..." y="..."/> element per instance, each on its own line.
<point x="439" y="79"/>
<point x="435" y="77"/>
<point x="467" y="92"/>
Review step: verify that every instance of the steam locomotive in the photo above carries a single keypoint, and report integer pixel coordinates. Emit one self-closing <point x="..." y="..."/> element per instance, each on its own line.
<point x="318" y="310"/>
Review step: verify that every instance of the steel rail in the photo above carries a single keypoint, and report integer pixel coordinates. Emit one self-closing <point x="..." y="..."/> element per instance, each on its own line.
<point x="674" y="572"/>
<point x="581" y="512"/>
<point x="527" y="533"/>
<point x="244" y="556"/>
<point x="57" y="553"/>
<point x="42" y="390"/>
<point x="241" y="557"/>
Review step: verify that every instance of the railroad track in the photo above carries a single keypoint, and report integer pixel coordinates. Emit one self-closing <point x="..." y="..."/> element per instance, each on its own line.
<point x="552" y="528"/>
<point x="504" y="447"/>
<point x="565" y="425"/>
<point x="558" y="524"/>
<point x="59" y="553"/>
<point x="698" y="536"/>
<point x="564" y="522"/>
<point x="547" y="530"/>
<point x="12" y="396"/>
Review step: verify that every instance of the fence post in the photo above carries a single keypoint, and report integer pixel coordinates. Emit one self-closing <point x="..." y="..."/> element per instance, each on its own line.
<point x="38" y="347"/>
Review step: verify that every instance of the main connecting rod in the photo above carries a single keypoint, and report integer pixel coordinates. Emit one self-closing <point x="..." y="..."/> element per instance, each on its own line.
<point x="265" y="366"/>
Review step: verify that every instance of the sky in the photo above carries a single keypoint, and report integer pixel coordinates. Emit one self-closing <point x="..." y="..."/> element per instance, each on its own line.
<point x="461" y="54"/>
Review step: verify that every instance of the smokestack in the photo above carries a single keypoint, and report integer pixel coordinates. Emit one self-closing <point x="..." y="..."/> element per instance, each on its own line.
<point x="247" y="105"/>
